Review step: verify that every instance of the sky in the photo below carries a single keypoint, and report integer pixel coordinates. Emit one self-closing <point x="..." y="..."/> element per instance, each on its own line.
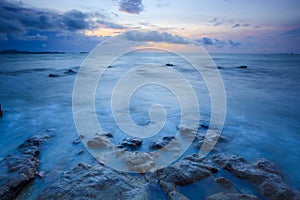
<point x="225" y="26"/>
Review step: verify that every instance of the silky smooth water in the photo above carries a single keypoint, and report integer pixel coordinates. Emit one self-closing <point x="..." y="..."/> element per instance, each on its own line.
<point x="262" y="119"/>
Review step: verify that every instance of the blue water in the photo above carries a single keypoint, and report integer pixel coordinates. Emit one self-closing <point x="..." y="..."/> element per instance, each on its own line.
<point x="262" y="119"/>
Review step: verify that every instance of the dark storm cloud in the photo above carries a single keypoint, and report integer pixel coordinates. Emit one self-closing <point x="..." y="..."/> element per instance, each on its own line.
<point x="205" y="41"/>
<point x="17" y="19"/>
<point x="154" y="36"/>
<point x="131" y="6"/>
<point x="236" y="25"/>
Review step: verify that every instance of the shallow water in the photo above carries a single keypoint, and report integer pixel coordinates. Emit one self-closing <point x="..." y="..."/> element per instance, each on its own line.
<point x="262" y="120"/>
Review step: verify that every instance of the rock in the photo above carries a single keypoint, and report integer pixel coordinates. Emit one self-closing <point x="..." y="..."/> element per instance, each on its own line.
<point x="175" y="195"/>
<point x="169" y="65"/>
<point x="80" y="152"/>
<point x="231" y="196"/>
<point x="187" y="171"/>
<point x="99" y="141"/>
<point x="243" y="67"/>
<point x="76" y="141"/>
<point x="95" y="182"/>
<point x="160" y="143"/>
<point x="1" y="111"/>
<point x="20" y="168"/>
<point x="70" y="71"/>
<point x="262" y="172"/>
<point x="52" y="75"/>
<point x="220" y="67"/>
<point x="41" y="174"/>
<point x="138" y="162"/>
<point x="131" y="142"/>
<point x="225" y="183"/>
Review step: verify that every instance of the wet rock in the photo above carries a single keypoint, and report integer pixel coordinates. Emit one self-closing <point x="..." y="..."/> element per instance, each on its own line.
<point x="138" y="161"/>
<point x="225" y="183"/>
<point x="243" y="67"/>
<point x="187" y="171"/>
<point x="131" y="142"/>
<point x="1" y="111"/>
<point x="70" y="71"/>
<point x="76" y="141"/>
<point x="231" y="196"/>
<point x="262" y="172"/>
<point x="175" y="195"/>
<point x="160" y="143"/>
<point x="41" y="174"/>
<point x="95" y="182"/>
<point x="99" y="141"/>
<point x="169" y="65"/>
<point x="52" y="75"/>
<point x="21" y="167"/>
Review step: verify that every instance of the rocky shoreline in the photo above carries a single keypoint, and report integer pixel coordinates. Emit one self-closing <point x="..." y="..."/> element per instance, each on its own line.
<point x="101" y="182"/>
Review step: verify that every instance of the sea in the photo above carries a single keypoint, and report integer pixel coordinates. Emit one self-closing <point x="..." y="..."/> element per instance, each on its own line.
<point x="262" y="109"/>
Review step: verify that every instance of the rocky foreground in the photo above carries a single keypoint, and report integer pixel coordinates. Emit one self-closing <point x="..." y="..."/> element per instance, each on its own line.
<point x="100" y="182"/>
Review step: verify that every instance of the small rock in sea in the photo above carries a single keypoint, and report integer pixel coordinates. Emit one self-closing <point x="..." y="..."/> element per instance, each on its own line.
<point x="220" y="67"/>
<point x="160" y="143"/>
<point x="76" y="141"/>
<point x="99" y="141"/>
<point x="131" y="142"/>
<point x="1" y="111"/>
<point x="262" y="172"/>
<point x="41" y="174"/>
<point x="169" y="65"/>
<point x="231" y="196"/>
<point x="80" y="152"/>
<point x="225" y="183"/>
<point x="243" y="67"/>
<point x="70" y="71"/>
<point x="109" y="66"/>
<point x="52" y="75"/>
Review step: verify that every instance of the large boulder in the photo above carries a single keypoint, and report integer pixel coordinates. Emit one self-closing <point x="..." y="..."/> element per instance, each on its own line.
<point x="131" y="142"/>
<point x="20" y="167"/>
<point x="95" y="182"/>
<point x="262" y="172"/>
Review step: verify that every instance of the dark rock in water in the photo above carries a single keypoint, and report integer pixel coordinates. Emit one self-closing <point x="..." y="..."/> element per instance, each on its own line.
<point x="95" y="182"/>
<point x="160" y="143"/>
<point x="131" y="143"/>
<point x="52" y="75"/>
<point x="220" y="67"/>
<point x="231" y="196"/>
<point x="187" y="171"/>
<point x="243" y="67"/>
<point x="263" y="173"/>
<point x="1" y="111"/>
<point x="20" y="168"/>
<point x="225" y="183"/>
<point x="110" y="135"/>
<point x="169" y="65"/>
<point x="70" y="71"/>
<point x="76" y="141"/>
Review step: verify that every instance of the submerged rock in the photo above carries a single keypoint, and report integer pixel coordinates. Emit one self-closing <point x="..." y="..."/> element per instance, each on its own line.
<point x="52" y="75"/>
<point x="231" y="196"/>
<point x="21" y="167"/>
<point x="225" y="183"/>
<point x="243" y="67"/>
<point x="131" y="142"/>
<point x="263" y="173"/>
<point x="160" y="143"/>
<point x="70" y="71"/>
<point x="95" y="182"/>
<point x="169" y="65"/>
<point x="1" y="111"/>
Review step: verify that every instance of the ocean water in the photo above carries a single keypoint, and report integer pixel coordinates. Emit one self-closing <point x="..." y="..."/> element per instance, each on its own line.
<point x="262" y="118"/>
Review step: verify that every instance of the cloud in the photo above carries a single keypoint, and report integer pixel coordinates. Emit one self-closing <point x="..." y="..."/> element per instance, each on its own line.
<point x="131" y="6"/>
<point x="236" y="25"/>
<point x="154" y="36"/>
<point x="294" y="31"/>
<point x="19" y="19"/>
<point x="36" y="37"/>
<point x="205" y="41"/>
